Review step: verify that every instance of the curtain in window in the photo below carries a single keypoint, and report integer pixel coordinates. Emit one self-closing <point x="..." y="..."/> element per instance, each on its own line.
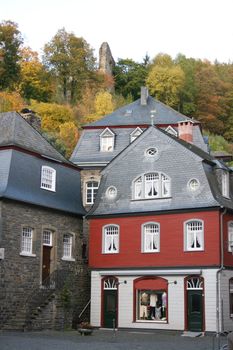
<point x="194" y="235"/>
<point x="165" y="182"/>
<point x="151" y="237"/>
<point x="111" y="239"/>
<point x="152" y="185"/>
<point x="138" y="188"/>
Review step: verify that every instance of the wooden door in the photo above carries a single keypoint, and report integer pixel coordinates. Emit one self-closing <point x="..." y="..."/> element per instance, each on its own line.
<point x="46" y="263"/>
<point x="110" y="309"/>
<point x="195" y="312"/>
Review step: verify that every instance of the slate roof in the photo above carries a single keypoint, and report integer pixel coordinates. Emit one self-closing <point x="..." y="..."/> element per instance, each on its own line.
<point x="179" y="160"/>
<point x="137" y="114"/>
<point x="14" y="130"/>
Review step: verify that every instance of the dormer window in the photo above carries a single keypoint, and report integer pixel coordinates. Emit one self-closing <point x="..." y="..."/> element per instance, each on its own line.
<point x="152" y="185"/>
<point x="171" y="130"/>
<point x="137" y="132"/>
<point x="48" y="178"/>
<point x="107" y="141"/>
<point x="225" y="183"/>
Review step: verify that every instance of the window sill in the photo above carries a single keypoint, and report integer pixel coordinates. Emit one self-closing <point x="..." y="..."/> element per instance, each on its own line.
<point x="151" y="321"/>
<point x="48" y="189"/>
<point x="194" y="250"/>
<point x="67" y="259"/>
<point x="27" y="254"/>
<point x="151" y="252"/>
<point x="149" y="199"/>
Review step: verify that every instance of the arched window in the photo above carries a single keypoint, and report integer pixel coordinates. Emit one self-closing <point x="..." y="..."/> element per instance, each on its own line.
<point x="48" y="178"/>
<point x="194" y="235"/>
<point x="150" y="237"/>
<point x="137" y="132"/>
<point x="91" y="190"/>
<point x="152" y="185"/>
<point x="107" y="141"/>
<point x="111" y="239"/>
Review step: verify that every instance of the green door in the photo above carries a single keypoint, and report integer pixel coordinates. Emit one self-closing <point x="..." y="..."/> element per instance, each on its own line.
<point x="195" y="313"/>
<point x="110" y="308"/>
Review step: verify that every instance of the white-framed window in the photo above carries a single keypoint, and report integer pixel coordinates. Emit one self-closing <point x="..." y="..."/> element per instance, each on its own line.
<point x="91" y="190"/>
<point x="134" y="134"/>
<point x="111" y="192"/>
<point x="48" y="178"/>
<point x="194" y="235"/>
<point x="225" y="183"/>
<point x="231" y="296"/>
<point x="150" y="237"/>
<point x="152" y="185"/>
<point x="193" y="185"/>
<point x="67" y="246"/>
<point x="26" y="241"/>
<point x="230" y="236"/>
<point x="107" y="141"/>
<point x="47" y="237"/>
<point x="111" y="239"/>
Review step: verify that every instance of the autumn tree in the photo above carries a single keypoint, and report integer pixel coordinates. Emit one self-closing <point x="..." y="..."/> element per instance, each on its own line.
<point x="10" y="42"/>
<point x="10" y="101"/>
<point x="129" y="77"/>
<point x="35" y="82"/>
<point x="165" y="80"/>
<point x="68" y="134"/>
<point x="71" y="61"/>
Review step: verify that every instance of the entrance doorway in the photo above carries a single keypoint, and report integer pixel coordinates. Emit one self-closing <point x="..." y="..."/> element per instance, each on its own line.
<point x="195" y="304"/>
<point x="46" y="256"/>
<point x="110" y="297"/>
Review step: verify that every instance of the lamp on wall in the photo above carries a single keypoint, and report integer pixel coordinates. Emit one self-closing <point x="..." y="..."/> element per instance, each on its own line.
<point x="121" y="282"/>
<point x="172" y="282"/>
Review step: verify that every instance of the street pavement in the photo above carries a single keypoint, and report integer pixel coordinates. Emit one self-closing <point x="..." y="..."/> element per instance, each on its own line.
<point x="106" y="339"/>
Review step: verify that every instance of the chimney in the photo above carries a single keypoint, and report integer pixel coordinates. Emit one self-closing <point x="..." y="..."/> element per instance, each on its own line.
<point x="185" y="130"/>
<point x="144" y="95"/>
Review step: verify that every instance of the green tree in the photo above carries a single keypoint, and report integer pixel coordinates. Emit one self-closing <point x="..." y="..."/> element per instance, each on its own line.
<point x="129" y="77"/>
<point x="71" y="60"/>
<point x="165" y="80"/>
<point x="35" y="82"/>
<point x="10" y="42"/>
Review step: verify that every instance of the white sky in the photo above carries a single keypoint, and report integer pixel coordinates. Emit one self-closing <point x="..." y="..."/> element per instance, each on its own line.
<point x="196" y="28"/>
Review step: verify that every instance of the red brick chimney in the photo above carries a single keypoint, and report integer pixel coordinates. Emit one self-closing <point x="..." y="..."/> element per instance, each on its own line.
<point x="185" y="130"/>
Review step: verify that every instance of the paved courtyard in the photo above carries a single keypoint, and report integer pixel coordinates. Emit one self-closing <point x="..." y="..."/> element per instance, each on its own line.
<point x="105" y="339"/>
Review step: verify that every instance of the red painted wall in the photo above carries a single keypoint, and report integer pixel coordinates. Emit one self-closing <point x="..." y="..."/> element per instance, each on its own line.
<point x="171" y="242"/>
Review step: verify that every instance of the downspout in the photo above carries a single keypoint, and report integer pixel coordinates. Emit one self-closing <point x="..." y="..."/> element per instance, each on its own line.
<point x="218" y="274"/>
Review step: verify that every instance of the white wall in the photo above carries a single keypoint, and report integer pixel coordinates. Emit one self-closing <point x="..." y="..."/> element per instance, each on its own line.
<point x="227" y="321"/>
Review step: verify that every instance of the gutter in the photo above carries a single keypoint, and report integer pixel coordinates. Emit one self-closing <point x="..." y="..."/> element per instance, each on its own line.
<point x="219" y="320"/>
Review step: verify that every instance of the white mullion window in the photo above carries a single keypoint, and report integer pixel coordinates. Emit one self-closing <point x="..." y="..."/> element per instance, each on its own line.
<point x="26" y="241"/>
<point x="138" y="188"/>
<point x="151" y="237"/>
<point x="91" y="191"/>
<point x="165" y="186"/>
<point x="230" y="236"/>
<point x="67" y="246"/>
<point x="152" y="185"/>
<point x="111" y="239"/>
<point x="107" y="141"/>
<point x="47" y="238"/>
<point x="194" y="235"/>
<point x="225" y="184"/>
<point x="48" y="178"/>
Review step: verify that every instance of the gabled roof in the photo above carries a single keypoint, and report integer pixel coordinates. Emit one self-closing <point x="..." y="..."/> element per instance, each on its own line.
<point x="177" y="159"/>
<point x="137" y="114"/>
<point x="15" y="131"/>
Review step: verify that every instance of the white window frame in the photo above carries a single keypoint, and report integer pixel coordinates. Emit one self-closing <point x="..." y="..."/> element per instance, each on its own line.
<point x="135" y="133"/>
<point x="107" y="138"/>
<point x="230" y="235"/>
<point x="171" y="131"/>
<point x="92" y="191"/>
<point x="47" y="237"/>
<point x="151" y="237"/>
<point x="197" y="235"/>
<point x="225" y="183"/>
<point x="110" y="239"/>
<point x="48" y="178"/>
<point x="156" y="182"/>
<point x="27" y="241"/>
<point x="68" y="247"/>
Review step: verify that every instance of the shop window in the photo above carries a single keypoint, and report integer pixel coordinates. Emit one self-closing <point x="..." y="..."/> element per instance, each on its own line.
<point x="111" y="239"/>
<point x="152" y="305"/>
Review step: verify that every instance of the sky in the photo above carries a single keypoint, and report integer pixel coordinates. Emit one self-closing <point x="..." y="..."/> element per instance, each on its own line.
<point x="133" y="28"/>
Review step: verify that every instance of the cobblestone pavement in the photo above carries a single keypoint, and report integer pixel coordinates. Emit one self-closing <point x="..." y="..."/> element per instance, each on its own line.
<point x="105" y="339"/>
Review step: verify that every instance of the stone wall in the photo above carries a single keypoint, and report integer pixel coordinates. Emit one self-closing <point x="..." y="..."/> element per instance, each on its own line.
<point x="20" y="275"/>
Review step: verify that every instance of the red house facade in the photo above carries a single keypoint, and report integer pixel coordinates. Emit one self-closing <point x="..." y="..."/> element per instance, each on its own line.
<point x="161" y="224"/>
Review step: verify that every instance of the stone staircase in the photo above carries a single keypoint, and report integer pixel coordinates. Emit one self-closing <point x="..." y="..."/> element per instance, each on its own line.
<point x="37" y="311"/>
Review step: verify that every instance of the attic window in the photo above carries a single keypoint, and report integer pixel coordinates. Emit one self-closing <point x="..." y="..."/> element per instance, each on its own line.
<point x="137" y="132"/>
<point x="225" y="183"/>
<point x="171" y="130"/>
<point x="107" y="141"/>
<point x="128" y="112"/>
<point x="48" y="178"/>
<point x="151" y="151"/>
<point x="193" y="185"/>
